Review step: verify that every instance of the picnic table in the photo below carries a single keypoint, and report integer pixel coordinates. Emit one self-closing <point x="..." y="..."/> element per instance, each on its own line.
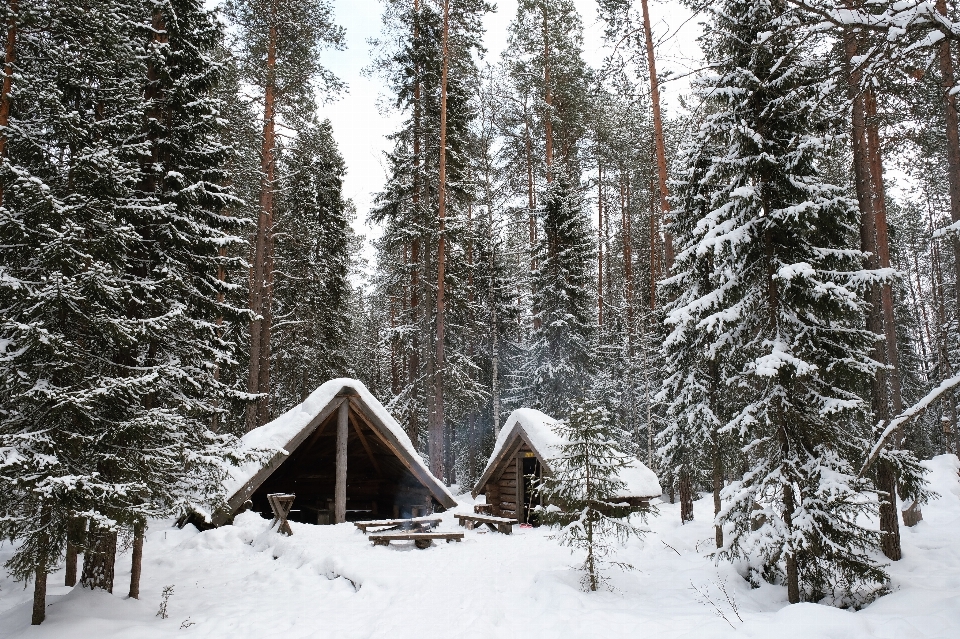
<point x="421" y="539"/>
<point x="470" y="521"/>
<point x="415" y="524"/>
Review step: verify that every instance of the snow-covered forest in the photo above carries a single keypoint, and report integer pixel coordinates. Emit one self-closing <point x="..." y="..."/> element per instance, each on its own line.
<point x="753" y="289"/>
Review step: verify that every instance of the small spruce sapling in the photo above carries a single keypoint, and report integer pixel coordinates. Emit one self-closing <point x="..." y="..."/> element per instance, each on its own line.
<point x="583" y="490"/>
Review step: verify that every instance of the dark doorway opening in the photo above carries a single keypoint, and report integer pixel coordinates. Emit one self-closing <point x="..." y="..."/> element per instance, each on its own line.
<point x="532" y="498"/>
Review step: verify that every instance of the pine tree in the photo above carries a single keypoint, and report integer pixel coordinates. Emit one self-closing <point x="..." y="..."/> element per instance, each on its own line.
<point x="583" y="491"/>
<point x="278" y="44"/>
<point x="409" y="250"/>
<point x="765" y="245"/>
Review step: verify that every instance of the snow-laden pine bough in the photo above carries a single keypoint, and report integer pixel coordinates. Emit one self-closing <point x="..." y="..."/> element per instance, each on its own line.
<point x="343" y="456"/>
<point x="529" y="442"/>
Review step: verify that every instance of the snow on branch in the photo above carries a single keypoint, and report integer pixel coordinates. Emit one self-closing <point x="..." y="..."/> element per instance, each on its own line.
<point x="914" y="411"/>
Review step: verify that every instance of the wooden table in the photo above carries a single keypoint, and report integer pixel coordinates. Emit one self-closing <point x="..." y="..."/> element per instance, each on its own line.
<point x="502" y="524"/>
<point x="415" y="523"/>
<point x="421" y="539"/>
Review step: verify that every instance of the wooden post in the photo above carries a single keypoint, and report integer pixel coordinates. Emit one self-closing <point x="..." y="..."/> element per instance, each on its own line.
<point x="521" y="518"/>
<point x="340" y="493"/>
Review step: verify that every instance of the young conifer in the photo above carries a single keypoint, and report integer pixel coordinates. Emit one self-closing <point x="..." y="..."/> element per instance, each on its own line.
<point x="583" y="491"/>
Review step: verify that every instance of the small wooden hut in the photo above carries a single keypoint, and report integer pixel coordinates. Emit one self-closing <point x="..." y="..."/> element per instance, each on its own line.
<point x="524" y="449"/>
<point x="342" y="455"/>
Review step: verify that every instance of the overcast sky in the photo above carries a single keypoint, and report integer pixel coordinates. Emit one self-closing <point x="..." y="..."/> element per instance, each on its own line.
<point x="360" y="126"/>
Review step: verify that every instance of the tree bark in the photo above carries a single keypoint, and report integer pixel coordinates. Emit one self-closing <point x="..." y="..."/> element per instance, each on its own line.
<point x="600" y="243"/>
<point x="864" y="175"/>
<point x="948" y="79"/>
<point x="686" y="497"/>
<point x="99" y="559"/>
<point x="39" y="596"/>
<point x="413" y="363"/>
<point x="793" y="572"/>
<point x="547" y="94"/>
<point x="716" y="454"/>
<point x="75" y="530"/>
<point x="136" y="563"/>
<point x="658" y="134"/>
<point x="10" y="57"/>
<point x="258" y="381"/>
<point x="437" y="424"/>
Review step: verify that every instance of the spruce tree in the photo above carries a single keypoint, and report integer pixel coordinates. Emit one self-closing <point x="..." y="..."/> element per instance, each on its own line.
<point x="315" y="243"/>
<point x="110" y="253"/>
<point x="583" y="491"/>
<point x="766" y="251"/>
<point x="559" y="365"/>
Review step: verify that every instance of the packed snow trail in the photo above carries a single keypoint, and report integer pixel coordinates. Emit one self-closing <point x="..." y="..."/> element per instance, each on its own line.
<point x="245" y="581"/>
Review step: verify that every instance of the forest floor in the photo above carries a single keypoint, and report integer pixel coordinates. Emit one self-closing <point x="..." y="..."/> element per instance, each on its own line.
<point x="245" y="581"/>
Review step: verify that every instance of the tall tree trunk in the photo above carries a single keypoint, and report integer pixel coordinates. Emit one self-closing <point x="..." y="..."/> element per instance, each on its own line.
<point x="531" y="199"/>
<point x="136" y="562"/>
<point x="413" y="425"/>
<point x="600" y="243"/>
<point x="437" y="425"/>
<point x="626" y="230"/>
<point x="867" y="200"/>
<point x="716" y="453"/>
<point x="492" y="293"/>
<point x="531" y="206"/>
<point x="258" y="381"/>
<point x="10" y="57"/>
<point x="793" y="572"/>
<point x="413" y="363"/>
<point x="99" y="559"/>
<point x="949" y="409"/>
<point x="39" y="596"/>
<point x="547" y="94"/>
<point x="658" y="133"/>
<point x="686" y="496"/>
<point x="75" y="534"/>
<point x="886" y="473"/>
<point x="949" y="81"/>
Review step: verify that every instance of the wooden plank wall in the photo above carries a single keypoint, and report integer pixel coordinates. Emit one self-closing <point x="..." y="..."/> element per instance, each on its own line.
<point x="502" y="491"/>
<point x="507" y="486"/>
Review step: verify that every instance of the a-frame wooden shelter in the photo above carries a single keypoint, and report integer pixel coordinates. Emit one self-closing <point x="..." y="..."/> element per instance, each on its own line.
<point x="525" y="448"/>
<point x="344" y="457"/>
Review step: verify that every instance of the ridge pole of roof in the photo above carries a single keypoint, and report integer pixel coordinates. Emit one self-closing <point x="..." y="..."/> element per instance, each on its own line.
<point x="340" y="493"/>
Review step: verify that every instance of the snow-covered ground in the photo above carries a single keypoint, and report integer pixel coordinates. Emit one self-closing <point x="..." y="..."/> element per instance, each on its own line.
<point x="243" y="581"/>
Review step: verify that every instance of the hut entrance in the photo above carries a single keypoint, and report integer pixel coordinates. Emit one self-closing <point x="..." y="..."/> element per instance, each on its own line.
<point x="532" y="473"/>
<point x="378" y="484"/>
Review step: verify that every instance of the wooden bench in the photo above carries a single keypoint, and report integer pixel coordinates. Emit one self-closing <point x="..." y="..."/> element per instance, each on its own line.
<point x="421" y="539"/>
<point x="416" y="524"/>
<point x="469" y="521"/>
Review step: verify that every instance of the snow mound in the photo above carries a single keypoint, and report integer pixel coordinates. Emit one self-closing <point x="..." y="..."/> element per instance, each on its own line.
<point x="540" y="431"/>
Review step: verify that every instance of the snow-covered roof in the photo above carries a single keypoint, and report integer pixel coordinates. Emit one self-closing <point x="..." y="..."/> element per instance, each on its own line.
<point x="285" y="433"/>
<point x="540" y="432"/>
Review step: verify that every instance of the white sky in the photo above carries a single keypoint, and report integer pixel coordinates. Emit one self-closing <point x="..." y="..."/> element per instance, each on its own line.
<point x="360" y="126"/>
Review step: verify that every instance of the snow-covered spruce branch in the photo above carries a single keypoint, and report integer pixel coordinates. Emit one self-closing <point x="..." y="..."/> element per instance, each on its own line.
<point x="902" y="18"/>
<point x="911" y="413"/>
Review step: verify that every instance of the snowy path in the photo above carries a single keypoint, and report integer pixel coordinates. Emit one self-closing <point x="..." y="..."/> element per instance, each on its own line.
<point x="242" y="581"/>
